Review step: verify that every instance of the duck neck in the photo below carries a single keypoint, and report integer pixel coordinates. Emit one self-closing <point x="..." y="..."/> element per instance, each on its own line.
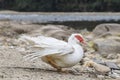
<point x="72" y="41"/>
<point x="78" y="50"/>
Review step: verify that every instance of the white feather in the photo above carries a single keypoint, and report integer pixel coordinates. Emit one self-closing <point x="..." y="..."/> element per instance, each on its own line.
<point x="48" y="46"/>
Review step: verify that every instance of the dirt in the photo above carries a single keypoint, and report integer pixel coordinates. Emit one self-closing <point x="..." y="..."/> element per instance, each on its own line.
<point x="14" y="67"/>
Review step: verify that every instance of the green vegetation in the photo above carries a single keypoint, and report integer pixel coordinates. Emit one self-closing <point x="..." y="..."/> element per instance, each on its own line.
<point x="61" y="5"/>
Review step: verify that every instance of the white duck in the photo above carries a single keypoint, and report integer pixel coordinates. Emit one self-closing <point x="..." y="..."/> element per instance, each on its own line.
<point x="57" y="53"/>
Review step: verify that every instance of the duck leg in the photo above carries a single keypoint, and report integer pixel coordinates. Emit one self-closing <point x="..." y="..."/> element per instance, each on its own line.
<point x="53" y="64"/>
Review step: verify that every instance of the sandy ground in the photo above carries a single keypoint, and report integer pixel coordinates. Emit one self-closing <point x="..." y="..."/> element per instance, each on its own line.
<point x="14" y="67"/>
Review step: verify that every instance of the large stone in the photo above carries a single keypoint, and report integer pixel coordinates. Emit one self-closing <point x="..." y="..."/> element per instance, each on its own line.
<point x="107" y="46"/>
<point x="106" y="39"/>
<point x="57" y="31"/>
<point x="106" y="29"/>
<point x="9" y="29"/>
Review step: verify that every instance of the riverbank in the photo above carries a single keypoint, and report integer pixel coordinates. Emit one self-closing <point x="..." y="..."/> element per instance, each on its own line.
<point x="84" y="13"/>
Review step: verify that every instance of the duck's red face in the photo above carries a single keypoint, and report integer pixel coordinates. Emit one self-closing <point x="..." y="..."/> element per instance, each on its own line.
<point x="80" y="38"/>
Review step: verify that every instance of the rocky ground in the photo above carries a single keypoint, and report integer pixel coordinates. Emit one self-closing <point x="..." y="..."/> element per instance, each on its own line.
<point x="103" y="51"/>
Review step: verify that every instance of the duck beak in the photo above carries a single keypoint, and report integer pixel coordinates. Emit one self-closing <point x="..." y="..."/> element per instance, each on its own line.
<point x="84" y="43"/>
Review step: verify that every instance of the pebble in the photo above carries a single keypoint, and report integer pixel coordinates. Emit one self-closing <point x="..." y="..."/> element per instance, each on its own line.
<point x="112" y="65"/>
<point x="100" y="77"/>
<point x="98" y="61"/>
<point x="116" y="71"/>
<point x="114" y="75"/>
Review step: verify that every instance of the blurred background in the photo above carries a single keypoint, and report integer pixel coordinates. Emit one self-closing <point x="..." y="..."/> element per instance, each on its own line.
<point x="61" y="5"/>
<point x="71" y="12"/>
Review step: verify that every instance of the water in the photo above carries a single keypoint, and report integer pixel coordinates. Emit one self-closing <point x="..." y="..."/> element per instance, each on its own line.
<point x="78" y="21"/>
<point x="44" y="18"/>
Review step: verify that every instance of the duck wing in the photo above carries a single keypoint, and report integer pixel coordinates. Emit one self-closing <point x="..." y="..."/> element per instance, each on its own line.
<point x="47" y="46"/>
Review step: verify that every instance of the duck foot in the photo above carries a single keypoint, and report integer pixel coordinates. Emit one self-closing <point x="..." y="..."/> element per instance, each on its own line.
<point x="63" y="71"/>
